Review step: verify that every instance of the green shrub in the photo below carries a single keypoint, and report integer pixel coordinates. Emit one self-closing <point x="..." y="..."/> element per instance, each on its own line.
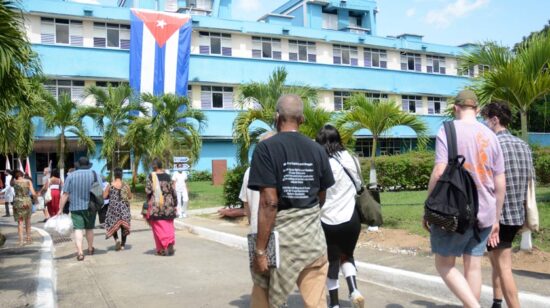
<point x="409" y="171"/>
<point x="232" y="186"/>
<point x="541" y="158"/>
<point x="141" y="178"/>
<point x="199" y="176"/>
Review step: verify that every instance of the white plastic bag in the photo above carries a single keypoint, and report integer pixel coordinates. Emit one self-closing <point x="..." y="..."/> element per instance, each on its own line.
<point x="64" y="224"/>
<point x="61" y="224"/>
<point x="40" y="203"/>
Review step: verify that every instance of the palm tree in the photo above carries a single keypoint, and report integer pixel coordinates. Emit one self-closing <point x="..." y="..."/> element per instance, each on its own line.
<point x="175" y="127"/>
<point x="113" y="113"/>
<point x="520" y="78"/>
<point x="263" y="97"/>
<point x="17" y="60"/>
<point x="378" y="118"/>
<point x="138" y="140"/>
<point x="315" y="118"/>
<point x="65" y="115"/>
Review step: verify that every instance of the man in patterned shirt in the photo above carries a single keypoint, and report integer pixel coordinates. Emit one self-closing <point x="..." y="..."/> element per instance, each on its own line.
<point x="518" y="166"/>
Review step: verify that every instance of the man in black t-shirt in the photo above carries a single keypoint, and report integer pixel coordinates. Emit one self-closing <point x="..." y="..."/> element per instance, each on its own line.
<point x="292" y="173"/>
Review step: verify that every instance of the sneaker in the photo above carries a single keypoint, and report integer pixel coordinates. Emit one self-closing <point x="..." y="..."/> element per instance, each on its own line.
<point x="357" y="300"/>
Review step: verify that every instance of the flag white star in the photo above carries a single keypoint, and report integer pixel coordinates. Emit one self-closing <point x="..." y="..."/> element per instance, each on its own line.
<point x="161" y="23"/>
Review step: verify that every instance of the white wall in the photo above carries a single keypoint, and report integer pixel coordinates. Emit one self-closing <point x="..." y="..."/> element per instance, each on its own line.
<point x="241" y="45"/>
<point x="326" y="100"/>
<point x="394" y="60"/>
<point x="32" y="27"/>
<point x="324" y="53"/>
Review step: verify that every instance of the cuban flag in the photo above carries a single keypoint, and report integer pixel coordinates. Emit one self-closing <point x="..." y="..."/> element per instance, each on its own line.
<point x="159" y="52"/>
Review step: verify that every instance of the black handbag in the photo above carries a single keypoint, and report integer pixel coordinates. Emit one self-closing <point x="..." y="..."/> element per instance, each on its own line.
<point x="370" y="211"/>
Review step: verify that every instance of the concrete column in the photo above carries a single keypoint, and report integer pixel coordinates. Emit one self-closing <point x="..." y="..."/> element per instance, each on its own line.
<point x="343" y="18"/>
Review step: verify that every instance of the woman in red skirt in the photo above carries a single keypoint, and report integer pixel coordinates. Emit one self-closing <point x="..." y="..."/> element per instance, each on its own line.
<point x="54" y="185"/>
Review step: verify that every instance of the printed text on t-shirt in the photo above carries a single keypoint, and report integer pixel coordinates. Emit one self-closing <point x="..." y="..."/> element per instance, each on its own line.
<point x="296" y="180"/>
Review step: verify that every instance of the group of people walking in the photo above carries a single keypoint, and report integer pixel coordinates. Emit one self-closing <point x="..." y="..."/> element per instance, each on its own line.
<point x="306" y="192"/>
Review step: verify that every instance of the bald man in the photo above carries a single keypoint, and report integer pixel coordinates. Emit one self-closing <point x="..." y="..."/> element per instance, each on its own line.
<point x="292" y="174"/>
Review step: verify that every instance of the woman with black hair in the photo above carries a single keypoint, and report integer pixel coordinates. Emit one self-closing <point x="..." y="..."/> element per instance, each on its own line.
<point x="118" y="212"/>
<point x="339" y="218"/>
<point x="54" y="184"/>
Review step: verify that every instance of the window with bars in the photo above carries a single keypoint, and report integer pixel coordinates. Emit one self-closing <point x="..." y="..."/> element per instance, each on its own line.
<point x="73" y="88"/>
<point x="211" y="43"/>
<point x="376" y="96"/>
<point x="330" y="21"/>
<point x="435" y="65"/>
<point x="411" y="62"/>
<point x="436" y="105"/>
<point x="302" y="51"/>
<point x="344" y="55"/>
<point x="214" y="97"/>
<point x="375" y="58"/>
<point x="266" y="48"/>
<point x="389" y="146"/>
<point x="340" y="97"/>
<point x="411" y="103"/>
<point x="61" y="31"/>
<point x="108" y="35"/>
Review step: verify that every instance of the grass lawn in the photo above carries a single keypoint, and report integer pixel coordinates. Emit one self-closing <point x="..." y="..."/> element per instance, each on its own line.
<point x="201" y="195"/>
<point x="404" y="210"/>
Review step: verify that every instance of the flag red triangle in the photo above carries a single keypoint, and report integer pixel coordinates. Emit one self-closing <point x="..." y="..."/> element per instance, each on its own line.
<point x="161" y="25"/>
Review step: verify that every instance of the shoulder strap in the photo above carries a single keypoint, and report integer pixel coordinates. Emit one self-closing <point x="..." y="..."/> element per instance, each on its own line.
<point x="450" y="133"/>
<point x="95" y="176"/>
<point x="348" y="173"/>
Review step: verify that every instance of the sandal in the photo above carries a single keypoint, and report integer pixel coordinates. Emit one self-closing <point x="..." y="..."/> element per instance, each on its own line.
<point x="91" y="251"/>
<point x="161" y="253"/>
<point x="29" y="240"/>
<point x="118" y="246"/>
<point x="170" y="250"/>
<point x="80" y="257"/>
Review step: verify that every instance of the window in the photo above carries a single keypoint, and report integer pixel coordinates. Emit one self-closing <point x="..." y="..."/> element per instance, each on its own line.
<point x="467" y="72"/>
<point x="390" y="146"/>
<point x="354" y="21"/>
<point x="340" y="97"/>
<point x="436" y="105"/>
<point x="411" y="62"/>
<point x="346" y="55"/>
<point x="105" y="84"/>
<point x="200" y="4"/>
<point x="411" y="103"/>
<point x="107" y="35"/>
<point x="435" y="65"/>
<point x="265" y="47"/>
<point x="363" y="147"/>
<point x="330" y="21"/>
<point x="73" y="88"/>
<point x="215" y="43"/>
<point x="375" y="58"/>
<point x="481" y="69"/>
<point x="376" y="96"/>
<point x="216" y="97"/>
<point x="61" y="31"/>
<point x="302" y="51"/>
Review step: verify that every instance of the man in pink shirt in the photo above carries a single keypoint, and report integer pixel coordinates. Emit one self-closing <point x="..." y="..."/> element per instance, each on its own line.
<point x="485" y="162"/>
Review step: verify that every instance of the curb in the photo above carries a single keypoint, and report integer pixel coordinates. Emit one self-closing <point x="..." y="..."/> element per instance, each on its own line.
<point x="47" y="285"/>
<point x="424" y="285"/>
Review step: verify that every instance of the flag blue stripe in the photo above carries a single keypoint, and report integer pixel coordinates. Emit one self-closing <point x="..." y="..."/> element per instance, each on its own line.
<point x="158" y="83"/>
<point x="136" y="44"/>
<point x="184" y="49"/>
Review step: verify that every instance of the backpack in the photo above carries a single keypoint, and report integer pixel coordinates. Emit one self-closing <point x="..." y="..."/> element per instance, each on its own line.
<point x="96" y="195"/>
<point x="453" y="203"/>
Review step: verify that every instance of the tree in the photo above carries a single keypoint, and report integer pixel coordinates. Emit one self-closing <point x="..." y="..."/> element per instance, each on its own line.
<point x="175" y="127"/>
<point x="114" y="111"/>
<point x="20" y="88"/>
<point x="138" y="140"/>
<point x="378" y="118"/>
<point x="263" y="97"/>
<point x="315" y="118"/>
<point x="519" y="78"/>
<point x="65" y="115"/>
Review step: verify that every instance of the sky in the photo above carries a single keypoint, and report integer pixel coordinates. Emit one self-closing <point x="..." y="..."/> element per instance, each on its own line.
<point x="448" y="22"/>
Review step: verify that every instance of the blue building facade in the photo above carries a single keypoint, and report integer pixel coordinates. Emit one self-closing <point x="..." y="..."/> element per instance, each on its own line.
<point x="331" y="45"/>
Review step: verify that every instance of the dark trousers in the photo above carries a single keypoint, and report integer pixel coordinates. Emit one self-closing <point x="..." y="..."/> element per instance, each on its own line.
<point x="103" y="213"/>
<point x="7" y="209"/>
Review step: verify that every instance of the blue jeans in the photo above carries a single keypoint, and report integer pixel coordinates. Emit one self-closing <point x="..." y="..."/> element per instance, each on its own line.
<point x="448" y="244"/>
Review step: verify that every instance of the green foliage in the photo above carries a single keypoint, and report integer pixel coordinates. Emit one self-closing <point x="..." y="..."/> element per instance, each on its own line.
<point x="260" y="99"/>
<point x="232" y="186"/>
<point x="141" y="178"/>
<point x="199" y="176"/>
<point x="542" y="165"/>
